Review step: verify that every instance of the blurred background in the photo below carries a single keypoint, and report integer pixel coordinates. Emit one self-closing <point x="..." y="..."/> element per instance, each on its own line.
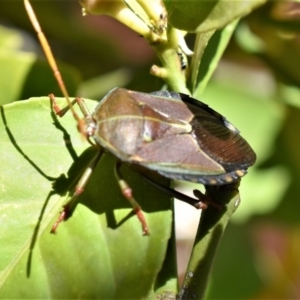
<point x="256" y="86"/>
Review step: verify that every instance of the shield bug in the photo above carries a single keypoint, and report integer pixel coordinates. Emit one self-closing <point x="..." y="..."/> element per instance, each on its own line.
<point x="158" y="134"/>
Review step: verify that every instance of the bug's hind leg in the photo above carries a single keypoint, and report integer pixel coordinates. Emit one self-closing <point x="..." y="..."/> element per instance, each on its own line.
<point x="70" y="206"/>
<point x="199" y="203"/>
<point x="202" y="201"/>
<point x="127" y="193"/>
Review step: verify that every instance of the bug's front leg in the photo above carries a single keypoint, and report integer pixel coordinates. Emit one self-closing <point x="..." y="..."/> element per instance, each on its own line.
<point x="61" y="111"/>
<point x="70" y="206"/>
<point x="127" y="193"/>
<point x="86" y="125"/>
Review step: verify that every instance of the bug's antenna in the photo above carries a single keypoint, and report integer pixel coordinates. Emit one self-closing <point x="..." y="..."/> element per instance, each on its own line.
<point x="49" y="56"/>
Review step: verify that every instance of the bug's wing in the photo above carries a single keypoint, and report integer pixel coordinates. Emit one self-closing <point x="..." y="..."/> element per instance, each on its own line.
<point x="180" y="157"/>
<point x="221" y="143"/>
<point x="173" y="134"/>
<point x="212" y="153"/>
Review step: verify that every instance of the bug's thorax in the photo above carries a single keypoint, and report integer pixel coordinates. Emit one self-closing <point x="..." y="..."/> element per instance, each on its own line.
<point x="126" y="123"/>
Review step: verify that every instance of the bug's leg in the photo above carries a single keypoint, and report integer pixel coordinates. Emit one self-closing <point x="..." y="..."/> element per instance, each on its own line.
<point x="49" y="55"/>
<point x="61" y="111"/>
<point x="70" y="206"/>
<point x="127" y="192"/>
<point x="207" y="200"/>
<point x="200" y="203"/>
<point x="86" y="126"/>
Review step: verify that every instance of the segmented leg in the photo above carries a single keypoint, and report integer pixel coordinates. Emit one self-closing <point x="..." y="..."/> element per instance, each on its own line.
<point x="71" y="205"/>
<point x="200" y="203"/>
<point x="61" y="111"/>
<point x="86" y="125"/>
<point x="206" y="200"/>
<point x="127" y="192"/>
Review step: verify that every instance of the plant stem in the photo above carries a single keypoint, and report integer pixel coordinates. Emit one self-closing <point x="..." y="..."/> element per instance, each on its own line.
<point x="210" y="231"/>
<point x="171" y="71"/>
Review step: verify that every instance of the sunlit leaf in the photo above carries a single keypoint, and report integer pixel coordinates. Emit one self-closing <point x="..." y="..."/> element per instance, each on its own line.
<point x="22" y="73"/>
<point x="211" y="56"/>
<point x="202" y="16"/>
<point x="9" y="39"/>
<point x="100" y="251"/>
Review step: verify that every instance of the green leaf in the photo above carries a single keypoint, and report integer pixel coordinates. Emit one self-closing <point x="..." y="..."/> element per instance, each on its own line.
<point x="97" y="87"/>
<point x="24" y="75"/>
<point x="235" y="262"/>
<point x="202" y="39"/>
<point x="99" y="252"/>
<point x="209" y="234"/>
<point x="203" y="15"/>
<point x="211" y="56"/>
<point x="15" y="67"/>
<point x="9" y="39"/>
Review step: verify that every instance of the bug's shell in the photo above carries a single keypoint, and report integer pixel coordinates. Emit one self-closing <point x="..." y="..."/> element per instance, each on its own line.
<point x="172" y="134"/>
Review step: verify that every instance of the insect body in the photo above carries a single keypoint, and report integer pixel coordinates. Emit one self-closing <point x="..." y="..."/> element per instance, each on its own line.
<point x="163" y="133"/>
<point x="172" y="134"/>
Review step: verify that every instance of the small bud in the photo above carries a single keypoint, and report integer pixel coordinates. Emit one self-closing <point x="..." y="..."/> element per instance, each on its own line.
<point x="147" y="18"/>
<point x="158" y="71"/>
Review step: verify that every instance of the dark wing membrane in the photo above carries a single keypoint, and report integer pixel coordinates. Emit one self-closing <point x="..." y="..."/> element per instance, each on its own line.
<point x="220" y="139"/>
<point x="223" y="145"/>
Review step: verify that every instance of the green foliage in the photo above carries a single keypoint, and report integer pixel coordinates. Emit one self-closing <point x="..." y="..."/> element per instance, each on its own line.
<point x="24" y="74"/>
<point x="100" y="251"/>
<point x="92" y="249"/>
<point x="203" y="16"/>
